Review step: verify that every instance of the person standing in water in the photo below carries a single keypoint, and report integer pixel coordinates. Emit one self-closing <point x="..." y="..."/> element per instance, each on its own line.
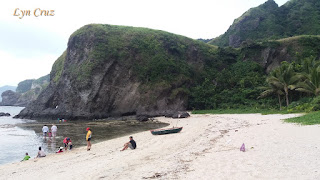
<point x="88" y="139"/>
<point x="45" y="130"/>
<point x="54" y="130"/>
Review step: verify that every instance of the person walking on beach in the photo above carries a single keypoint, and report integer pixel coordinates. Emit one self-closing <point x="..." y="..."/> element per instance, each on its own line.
<point x="88" y="138"/>
<point x="27" y="157"/>
<point x="67" y="142"/>
<point x="45" y="130"/>
<point x="41" y="153"/>
<point x="131" y="144"/>
<point x="54" y="130"/>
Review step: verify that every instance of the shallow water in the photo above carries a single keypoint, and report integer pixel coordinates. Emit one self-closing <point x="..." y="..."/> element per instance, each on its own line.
<point x="19" y="136"/>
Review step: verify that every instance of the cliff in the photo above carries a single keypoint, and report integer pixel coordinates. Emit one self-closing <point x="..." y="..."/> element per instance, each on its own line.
<point x="117" y="70"/>
<point x="6" y="88"/>
<point x="270" y="54"/>
<point x="9" y="98"/>
<point x="26" y="92"/>
<point x="268" y="21"/>
<point x="112" y="71"/>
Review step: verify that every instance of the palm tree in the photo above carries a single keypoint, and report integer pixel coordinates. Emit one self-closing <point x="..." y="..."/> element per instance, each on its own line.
<point x="271" y="89"/>
<point x="284" y="77"/>
<point x="311" y="81"/>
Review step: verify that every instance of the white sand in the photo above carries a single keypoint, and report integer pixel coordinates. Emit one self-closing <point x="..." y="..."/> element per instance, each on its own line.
<point x="206" y="148"/>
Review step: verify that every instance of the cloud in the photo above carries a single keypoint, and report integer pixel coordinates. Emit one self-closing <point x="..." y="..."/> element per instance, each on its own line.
<point x="29" y="41"/>
<point x="30" y="45"/>
<point x="16" y="69"/>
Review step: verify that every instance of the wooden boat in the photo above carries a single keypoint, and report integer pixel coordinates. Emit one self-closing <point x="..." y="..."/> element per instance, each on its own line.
<point x="166" y="131"/>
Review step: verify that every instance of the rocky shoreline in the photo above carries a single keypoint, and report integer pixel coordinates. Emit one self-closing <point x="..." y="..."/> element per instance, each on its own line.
<point x="4" y="114"/>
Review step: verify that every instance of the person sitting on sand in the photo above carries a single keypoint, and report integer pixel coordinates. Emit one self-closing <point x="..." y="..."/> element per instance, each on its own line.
<point x="45" y="130"/>
<point x="27" y="157"/>
<point x="60" y="150"/>
<point x="41" y="153"/>
<point x="88" y="138"/>
<point x="67" y="142"/>
<point x="131" y="144"/>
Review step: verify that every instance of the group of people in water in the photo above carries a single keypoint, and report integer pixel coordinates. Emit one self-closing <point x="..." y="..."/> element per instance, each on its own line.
<point x="68" y="143"/>
<point x="46" y="132"/>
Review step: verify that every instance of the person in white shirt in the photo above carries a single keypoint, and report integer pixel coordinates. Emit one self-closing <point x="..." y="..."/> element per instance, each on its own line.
<point x="54" y="130"/>
<point x="45" y="130"/>
<point x="41" y="153"/>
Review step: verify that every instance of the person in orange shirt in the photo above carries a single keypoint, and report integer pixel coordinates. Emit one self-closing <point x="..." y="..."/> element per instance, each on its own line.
<point x="88" y="139"/>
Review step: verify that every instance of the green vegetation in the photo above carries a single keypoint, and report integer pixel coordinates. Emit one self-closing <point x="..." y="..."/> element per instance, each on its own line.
<point x="210" y="77"/>
<point x="239" y="111"/>
<point x="307" y="119"/>
<point x="233" y="87"/>
<point x="158" y="59"/>
<point x="57" y="67"/>
<point x="295" y="85"/>
<point x="268" y="21"/>
<point x="301" y="81"/>
<point x="292" y="49"/>
<point x="24" y="86"/>
<point x="42" y="80"/>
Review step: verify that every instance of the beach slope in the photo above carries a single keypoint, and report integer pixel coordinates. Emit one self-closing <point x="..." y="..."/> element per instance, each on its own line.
<point x="206" y="148"/>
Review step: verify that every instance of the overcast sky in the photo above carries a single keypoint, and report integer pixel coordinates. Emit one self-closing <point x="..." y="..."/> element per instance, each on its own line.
<point x="29" y="45"/>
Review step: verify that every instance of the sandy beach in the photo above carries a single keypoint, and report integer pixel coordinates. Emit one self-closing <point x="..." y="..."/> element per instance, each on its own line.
<point x="206" y="148"/>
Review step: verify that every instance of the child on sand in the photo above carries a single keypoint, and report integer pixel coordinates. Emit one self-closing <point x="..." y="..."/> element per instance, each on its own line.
<point x="88" y="139"/>
<point x="67" y="142"/>
<point x="27" y="157"/>
<point x="60" y="150"/>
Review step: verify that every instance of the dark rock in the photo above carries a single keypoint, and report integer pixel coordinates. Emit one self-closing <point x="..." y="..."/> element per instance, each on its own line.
<point x="9" y="98"/>
<point x="168" y="115"/>
<point x="27" y="91"/>
<point x="181" y="115"/>
<point x="4" y="114"/>
<point x="6" y="88"/>
<point x="142" y="118"/>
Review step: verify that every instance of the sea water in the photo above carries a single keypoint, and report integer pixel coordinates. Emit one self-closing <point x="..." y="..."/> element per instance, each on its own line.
<point x="14" y="141"/>
<point x="18" y="136"/>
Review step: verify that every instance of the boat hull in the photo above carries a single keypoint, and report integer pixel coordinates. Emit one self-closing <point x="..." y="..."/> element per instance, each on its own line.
<point x="165" y="131"/>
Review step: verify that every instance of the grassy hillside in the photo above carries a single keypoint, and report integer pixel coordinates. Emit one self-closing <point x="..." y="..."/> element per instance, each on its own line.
<point x="270" y="22"/>
<point x="155" y="56"/>
<point x="292" y="49"/>
<point x="210" y="77"/>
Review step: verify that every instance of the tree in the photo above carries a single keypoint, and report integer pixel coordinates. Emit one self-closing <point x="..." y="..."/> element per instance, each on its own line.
<point x="270" y="90"/>
<point x="285" y="78"/>
<point x="310" y="78"/>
